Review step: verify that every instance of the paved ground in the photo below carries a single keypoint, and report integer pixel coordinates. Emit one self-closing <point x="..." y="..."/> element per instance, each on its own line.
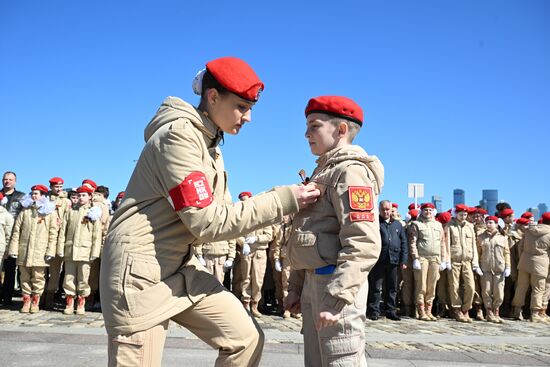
<point x="49" y="338"/>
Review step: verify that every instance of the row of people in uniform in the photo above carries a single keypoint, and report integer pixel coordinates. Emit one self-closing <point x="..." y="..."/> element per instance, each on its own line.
<point x="471" y="261"/>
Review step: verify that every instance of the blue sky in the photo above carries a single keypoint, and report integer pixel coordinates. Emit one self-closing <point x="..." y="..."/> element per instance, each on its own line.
<point x="456" y="94"/>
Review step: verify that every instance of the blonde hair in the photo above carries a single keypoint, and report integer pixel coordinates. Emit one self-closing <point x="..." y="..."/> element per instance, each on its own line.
<point x="353" y="127"/>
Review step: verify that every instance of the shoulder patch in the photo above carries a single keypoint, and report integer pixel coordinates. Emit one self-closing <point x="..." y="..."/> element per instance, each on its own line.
<point x="361" y="216"/>
<point x="194" y="191"/>
<point x="360" y="198"/>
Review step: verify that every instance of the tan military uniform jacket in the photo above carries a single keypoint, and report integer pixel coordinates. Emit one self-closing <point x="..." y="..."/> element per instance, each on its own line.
<point x="494" y="254"/>
<point x="148" y="273"/>
<point x="535" y="250"/>
<point x="217" y="248"/>
<point x="6" y="226"/>
<point x="33" y="237"/>
<point x="427" y="239"/>
<point x="325" y="234"/>
<point x="461" y="242"/>
<point x="280" y="250"/>
<point x="62" y="204"/>
<point x="79" y="238"/>
<point x="263" y="238"/>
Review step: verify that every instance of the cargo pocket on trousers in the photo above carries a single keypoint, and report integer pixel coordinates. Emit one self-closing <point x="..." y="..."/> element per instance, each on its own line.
<point x="140" y="278"/>
<point x="304" y="253"/>
<point x="126" y="350"/>
<point x="343" y="351"/>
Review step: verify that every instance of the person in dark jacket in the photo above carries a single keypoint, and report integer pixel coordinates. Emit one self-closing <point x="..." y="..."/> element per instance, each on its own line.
<point x="393" y="255"/>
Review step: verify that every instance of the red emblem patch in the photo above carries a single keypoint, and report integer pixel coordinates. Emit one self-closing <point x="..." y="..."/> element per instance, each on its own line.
<point x="360" y="198"/>
<point x="193" y="191"/>
<point x="361" y="217"/>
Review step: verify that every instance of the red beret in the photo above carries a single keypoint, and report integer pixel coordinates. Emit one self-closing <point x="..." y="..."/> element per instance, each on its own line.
<point x="523" y="221"/>
<point x="527" y="215"/>
<point x="471" y="210"/>
<point x="336" y="106"/>
<point x="427" y="205"/>
<point x="1" y="195"/>
<point x="412" y="206"/>
<point x="481" y="211"/>
<point x="120" y="195"/>
<point x="236" y="76"/>
<point x="443" y="218"/>
<point x="247" y="193"/>
<point x="56" y="181"/>
<point x="89" y="183"/>
<point x="394" y="205"/>
<point x="413" y="213"/>
<point x="85" y="188"/>
<point x="506" y="212"/>
<point x="491" y="217"/>
<point x="545" y="218"/>
<point x="42" y="188"/>
<point x="461" y="208"/>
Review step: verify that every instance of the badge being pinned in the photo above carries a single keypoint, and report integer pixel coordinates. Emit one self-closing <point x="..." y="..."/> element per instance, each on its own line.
<point x="360" y="198"/>
<point x="194" y="190"/>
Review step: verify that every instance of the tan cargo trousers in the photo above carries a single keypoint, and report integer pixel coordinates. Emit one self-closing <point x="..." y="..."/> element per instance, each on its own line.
<point x="340" y="345"/>
<point x="218" y="319"/>
<point x="253" y="270"/>
<point x="33" y="279"/>
<point x="76" y="278"/>
<point x="492" y="289"/>
<point x="538" y="285"/>
<point x="425" y="280"/>
<point x="461" y="270"/>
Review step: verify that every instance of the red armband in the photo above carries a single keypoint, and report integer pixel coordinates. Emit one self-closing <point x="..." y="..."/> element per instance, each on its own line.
<point x="194" y="191"/>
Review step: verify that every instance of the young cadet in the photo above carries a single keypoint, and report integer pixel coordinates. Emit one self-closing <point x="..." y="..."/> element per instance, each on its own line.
<point x="335" y="243"/>
<point x="79" y="244"/>
<point x="175" y="198"/>
<point x="494" y="260"/>
<point x="33" y="245"/>
<point x="427" y="249"/>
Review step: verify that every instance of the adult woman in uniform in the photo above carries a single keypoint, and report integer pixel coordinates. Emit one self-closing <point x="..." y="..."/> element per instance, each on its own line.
<point x="175" y="198"/>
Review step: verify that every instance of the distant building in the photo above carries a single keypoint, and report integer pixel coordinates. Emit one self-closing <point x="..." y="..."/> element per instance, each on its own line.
<point x="436" y="200"/>
<point x="542" y="209"/>
<point x="459" y="197"/>
<point x="536" y="212"/>
<point x="490" y="199"/>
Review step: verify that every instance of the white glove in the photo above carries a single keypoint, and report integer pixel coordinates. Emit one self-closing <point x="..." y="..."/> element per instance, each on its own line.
<point x="60" y="255"/>
<point x="478" y="271"/>
<point x="278" y="266"/>
<point x="13" y="256"/>
<point x="246" y="249"/>
<point x="416" y="264"/>
<point x="47" y="258"/>
<point x="92" y="258"/>
<point x="507" y="272"/>
<point x="201" y="260"/>
<point x="449" y="266"/>
<point x="228" y="264"/>
<point x="250" y="240"/>
<point x="442" y="266"/>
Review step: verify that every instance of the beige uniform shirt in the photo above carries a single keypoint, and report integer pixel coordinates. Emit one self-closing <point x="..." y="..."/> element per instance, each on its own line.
<point x="33" y="237"/>
<point x="535" y="250"/>
<point x="280" y="250"/>
<point x="6" y="226"/>
<point x="342" y="227"/>
<point x="79" y="238"/>
<point x="263" y="238"/>
<point x="494" y="254"/>
<point x="427" y="239"/>
<point x="461" y="242"/>
<point x="175" y="198"/>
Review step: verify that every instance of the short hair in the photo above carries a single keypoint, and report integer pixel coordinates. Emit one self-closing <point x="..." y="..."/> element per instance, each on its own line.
<point x="104" y="190"/>
<point x="353" y="127"/>
<point x="9" y="173"/>
<point x="384" y="202"/>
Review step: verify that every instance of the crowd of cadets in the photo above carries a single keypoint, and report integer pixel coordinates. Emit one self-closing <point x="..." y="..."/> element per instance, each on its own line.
<point x="462" y="263"/>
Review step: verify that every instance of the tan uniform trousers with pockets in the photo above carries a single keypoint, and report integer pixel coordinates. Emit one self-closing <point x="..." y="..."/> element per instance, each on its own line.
<point x="214" y="264"/>
<point x="461" y="270"/>
<point x="253" y="270"/>
<point x="425" y="279"/>
<point x="341" y="345"/>
<point x="54" y="273"/>
<point x="33" y="279"/>
<point x="538" y="284"/>
<point x="77" y="274"/>
<point x="218" y="319"/>
<point x="492" y="289"/>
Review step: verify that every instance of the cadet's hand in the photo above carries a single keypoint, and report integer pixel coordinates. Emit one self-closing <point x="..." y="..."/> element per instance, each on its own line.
<point x="202" y="261"/>
<point x="449" y="266"/>
<point x="403" y="266"/>
<point x="478" y="271"/>
<point x="416" y="264"/>
<point x="92" y="258"/>
<point x="250" y="240"/>
<point x="327" y="317"/>
<point x="278" y="266"/>
<point x="227" y="265"/>
<point x="507" y="272"/>
<point x="292" y="302"/>
<point x="60" y="255"/>
<point x="305" y="194"/>
<point x="13" y="256"/>
<point x="442" y="266"/>
<point x="246" y="249"/>
<point x="47" y="258"/>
